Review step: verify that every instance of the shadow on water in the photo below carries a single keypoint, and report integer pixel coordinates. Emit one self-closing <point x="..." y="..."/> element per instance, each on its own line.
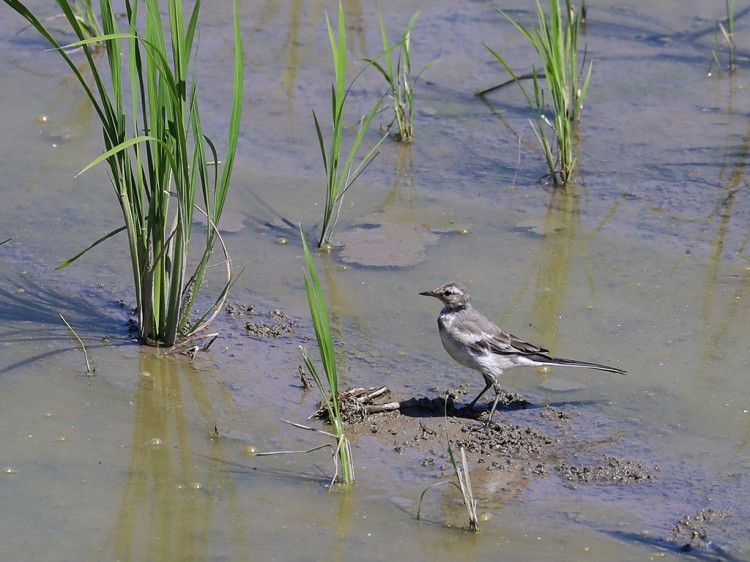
<point x="709" y="553"/>
<point x="30" y="312"/>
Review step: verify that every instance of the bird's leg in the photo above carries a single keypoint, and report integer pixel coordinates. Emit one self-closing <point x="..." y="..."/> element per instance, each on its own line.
<point x="498" y="392"/>
<point x="490" y="380"/>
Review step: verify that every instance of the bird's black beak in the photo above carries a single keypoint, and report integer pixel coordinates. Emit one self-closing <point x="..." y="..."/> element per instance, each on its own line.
<point x="428" y="293"/>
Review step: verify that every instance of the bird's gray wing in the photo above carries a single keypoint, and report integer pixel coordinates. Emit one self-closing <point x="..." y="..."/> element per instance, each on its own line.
<point x="482" y="336"/>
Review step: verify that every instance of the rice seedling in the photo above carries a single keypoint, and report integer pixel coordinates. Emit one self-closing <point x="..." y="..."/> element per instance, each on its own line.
<point x="400" y="80"/>
<point x="464" y="480"/>
<point x="727" y="37"/>
<point x="340" y="178"/>
<point x="330" y="390"/>
<point x="84" y="11"/>
<point x="556" y="43"/>
<point x="157" y="155"/>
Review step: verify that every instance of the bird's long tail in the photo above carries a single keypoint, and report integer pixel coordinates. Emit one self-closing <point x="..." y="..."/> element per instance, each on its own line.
<point x="546" y="359"/>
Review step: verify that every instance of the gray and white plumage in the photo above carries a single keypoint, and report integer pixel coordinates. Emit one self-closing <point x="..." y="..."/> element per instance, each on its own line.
<point x="477" y="343"/>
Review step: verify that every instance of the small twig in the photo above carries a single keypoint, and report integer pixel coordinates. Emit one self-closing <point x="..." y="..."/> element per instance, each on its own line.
<point x="518" y="165"/>
<point x="303" y="379"/>
<point x="378" y="408"/>
<point x="343" y="441"/>
<point x="89" y="370"/>
<point x="308" y="428"/>
<point x="464" y="481"/>
<point x="185" y="347"/>
<point x="359" y="398"/>
<point x="270" y="453"/>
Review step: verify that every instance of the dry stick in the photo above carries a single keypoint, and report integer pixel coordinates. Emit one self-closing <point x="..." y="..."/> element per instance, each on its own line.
<point x="377" y="408"/>
<point x="464" y="481"/>
<point x="360" y="396"/>
<point x="518" y="165"/>
<point x="303" y="379"/>
<point x="184" y="346"/>
<point x="334" y="451"/>
<point x="228" y="264"/>
<point x="89" y="370"/>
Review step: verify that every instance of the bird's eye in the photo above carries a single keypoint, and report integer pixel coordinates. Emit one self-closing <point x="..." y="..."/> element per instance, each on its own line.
<point x="446" y="293"/>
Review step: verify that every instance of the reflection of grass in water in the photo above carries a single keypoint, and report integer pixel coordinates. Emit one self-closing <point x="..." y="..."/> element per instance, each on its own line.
<point x="156" y="153"/>
<point x="556" y="42"/>
<point x="169" y="508"/>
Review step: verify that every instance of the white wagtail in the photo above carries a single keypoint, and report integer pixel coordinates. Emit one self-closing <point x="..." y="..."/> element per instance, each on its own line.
<point x="475" y="342"/>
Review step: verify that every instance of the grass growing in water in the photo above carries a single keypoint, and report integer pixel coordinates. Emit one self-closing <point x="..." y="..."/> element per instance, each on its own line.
<point x="556" y="43"/>
<point x="330" y="390"/>
<point x="464" y="480"/>
<point x="158" y="158"/>
<point x="727" y="34"/>
<point x="339" y="178"/>
<point x="400" y="80"/>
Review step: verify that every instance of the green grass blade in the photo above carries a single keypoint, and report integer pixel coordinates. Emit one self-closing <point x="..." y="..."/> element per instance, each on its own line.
<point x="107" y="236"/>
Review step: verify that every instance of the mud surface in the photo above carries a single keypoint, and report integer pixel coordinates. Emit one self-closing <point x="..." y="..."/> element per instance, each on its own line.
<point x="526" y="442"/>
<point x="697" y="531"/>
<point x="269" y="324"/>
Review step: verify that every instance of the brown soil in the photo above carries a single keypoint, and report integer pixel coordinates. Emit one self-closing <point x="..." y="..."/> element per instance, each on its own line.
<point x="504" y="457"/>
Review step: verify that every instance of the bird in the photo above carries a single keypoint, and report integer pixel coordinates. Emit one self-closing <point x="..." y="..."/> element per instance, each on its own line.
<point x="477" y="343"/>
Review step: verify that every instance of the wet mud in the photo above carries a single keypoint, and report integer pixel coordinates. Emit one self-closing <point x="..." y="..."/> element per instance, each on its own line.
<point x="526" y="442"/>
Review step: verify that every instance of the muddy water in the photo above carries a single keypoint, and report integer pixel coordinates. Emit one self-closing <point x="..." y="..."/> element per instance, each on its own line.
<point x="641" y="265"/>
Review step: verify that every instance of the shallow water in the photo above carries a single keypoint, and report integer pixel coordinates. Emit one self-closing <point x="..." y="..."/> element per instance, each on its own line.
<point x="640" y="266"/>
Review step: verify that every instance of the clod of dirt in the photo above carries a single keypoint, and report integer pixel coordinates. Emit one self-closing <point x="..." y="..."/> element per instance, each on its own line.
<point x="278" y="325"/>
<point x="696" y="529"/>
<point x="504" y="439"/>
<point x="611" y="470"/>
<point x="235" y="309"/>
<point x="550" y="413"/>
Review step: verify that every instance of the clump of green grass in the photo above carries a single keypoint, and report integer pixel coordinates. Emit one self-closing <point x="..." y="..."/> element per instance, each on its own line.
<point x="728" y="38"/>
<point x="162" y="167"/>
<point x="341" y="174"/>
<point x="556" y="43"/>
<point x="330" y="389"/>
<point x="400" y="80"/>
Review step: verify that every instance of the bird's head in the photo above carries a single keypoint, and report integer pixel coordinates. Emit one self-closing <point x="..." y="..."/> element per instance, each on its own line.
<point x="453" y="295"/>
